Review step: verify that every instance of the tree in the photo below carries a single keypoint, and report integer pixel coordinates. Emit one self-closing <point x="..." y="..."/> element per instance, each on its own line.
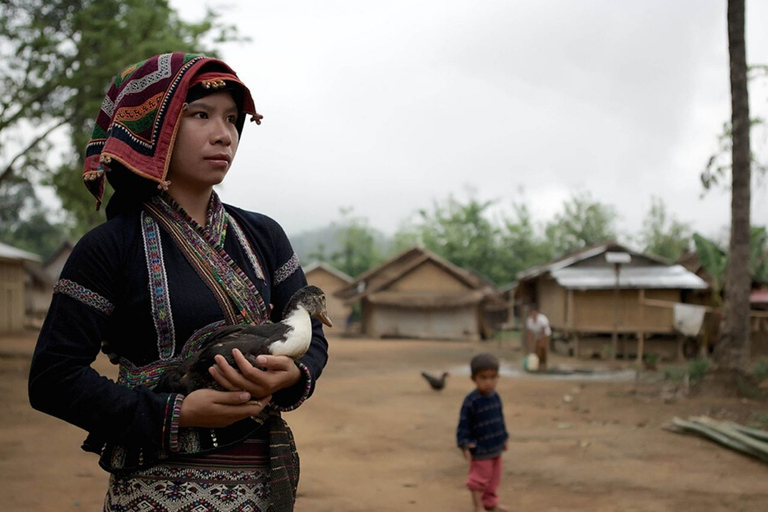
<point x="31" y="231"/>
<point x="582" y="223"/>
<point x="521" y="247"/>
<point x="460" y="233"/>
<point x="662" y="235"/>
<point x="719" y="163"/>
<point x="359" y="251"/>
<point x="733" y="349"/>
<point x="56" y="61"/>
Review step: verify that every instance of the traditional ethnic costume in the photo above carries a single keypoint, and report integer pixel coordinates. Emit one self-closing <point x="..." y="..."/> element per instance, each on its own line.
<point x="148" y="286"/>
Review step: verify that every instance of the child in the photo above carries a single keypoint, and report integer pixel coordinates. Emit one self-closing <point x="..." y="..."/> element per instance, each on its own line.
<point x="482" y="434"/>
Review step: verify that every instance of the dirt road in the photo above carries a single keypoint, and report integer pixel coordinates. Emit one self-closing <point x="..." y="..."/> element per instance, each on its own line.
<point x="376" y="438"/>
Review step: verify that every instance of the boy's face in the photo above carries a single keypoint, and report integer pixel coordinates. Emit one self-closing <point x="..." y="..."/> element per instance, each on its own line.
<point x="486" y="380"/>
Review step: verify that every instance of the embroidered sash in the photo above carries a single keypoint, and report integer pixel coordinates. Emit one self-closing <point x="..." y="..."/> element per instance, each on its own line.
<point x="203" y="248"/>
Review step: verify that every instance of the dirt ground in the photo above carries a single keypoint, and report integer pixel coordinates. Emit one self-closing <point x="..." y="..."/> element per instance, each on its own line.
<point x="376" y="438"/>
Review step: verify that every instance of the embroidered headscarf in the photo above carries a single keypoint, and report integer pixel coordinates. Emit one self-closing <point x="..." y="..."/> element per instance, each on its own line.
<point x="137" y="124"/>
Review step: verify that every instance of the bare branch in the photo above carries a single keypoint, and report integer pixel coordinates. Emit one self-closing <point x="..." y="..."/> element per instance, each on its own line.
<point x="8" y="171"/>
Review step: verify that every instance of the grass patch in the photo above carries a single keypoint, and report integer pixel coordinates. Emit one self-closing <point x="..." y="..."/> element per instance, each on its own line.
<point x="694" y="369"/>
<point x="760" y="371"/>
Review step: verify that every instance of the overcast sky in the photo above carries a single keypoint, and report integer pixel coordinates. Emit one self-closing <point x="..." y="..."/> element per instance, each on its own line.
<point x="387" y="106"/>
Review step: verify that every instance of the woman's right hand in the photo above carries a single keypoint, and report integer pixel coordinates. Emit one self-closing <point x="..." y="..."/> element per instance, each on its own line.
<point x="214" y="409"/>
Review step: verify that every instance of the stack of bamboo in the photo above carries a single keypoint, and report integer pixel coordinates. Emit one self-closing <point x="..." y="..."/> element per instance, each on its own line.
<point x="732" y="435"/>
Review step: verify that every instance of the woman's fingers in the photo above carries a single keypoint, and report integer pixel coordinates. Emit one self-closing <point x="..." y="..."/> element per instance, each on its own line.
<point x="211" y="408"/>
<point x="245" y="376"/>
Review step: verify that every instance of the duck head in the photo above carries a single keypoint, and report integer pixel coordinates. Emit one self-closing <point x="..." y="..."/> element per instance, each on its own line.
<point x="312" y="299"/>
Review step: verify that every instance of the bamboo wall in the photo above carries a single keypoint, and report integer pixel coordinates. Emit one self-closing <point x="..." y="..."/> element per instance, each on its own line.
<point x="330" y="283"/>
<point x="593" y="311"/>
<point x="428" y="277"/>
<point x="11" y="296"/>
<point x="441" y="324"/>
<point x="552" y="301"/>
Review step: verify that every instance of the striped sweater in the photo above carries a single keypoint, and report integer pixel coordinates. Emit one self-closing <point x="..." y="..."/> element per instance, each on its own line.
<point x="481" y="423"/>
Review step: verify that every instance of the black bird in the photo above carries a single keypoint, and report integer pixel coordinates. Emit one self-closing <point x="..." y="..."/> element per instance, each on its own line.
<point x="290" y="337"/>
<point x="436" y="383"/>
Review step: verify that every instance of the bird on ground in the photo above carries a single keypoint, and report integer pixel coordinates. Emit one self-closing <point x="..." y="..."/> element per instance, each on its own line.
<point x="290" y="337"/>
<point x="436" y="383"/>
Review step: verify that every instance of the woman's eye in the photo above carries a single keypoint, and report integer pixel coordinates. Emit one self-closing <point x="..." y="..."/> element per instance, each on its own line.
<point x="200" y="115"/>
<point x="232" y="119"/>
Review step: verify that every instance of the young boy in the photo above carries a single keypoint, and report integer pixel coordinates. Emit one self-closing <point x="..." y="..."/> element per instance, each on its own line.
<point x="482" y="434"/>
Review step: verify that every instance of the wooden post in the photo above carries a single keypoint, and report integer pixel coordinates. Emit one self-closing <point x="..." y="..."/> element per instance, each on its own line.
<point x="641" y="332"/>
<point x="569" y="322"/>
<point x="615" y="334"/>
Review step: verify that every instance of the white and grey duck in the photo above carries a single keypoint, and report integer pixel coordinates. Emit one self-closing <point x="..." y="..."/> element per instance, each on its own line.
<point x="290" y="337"/>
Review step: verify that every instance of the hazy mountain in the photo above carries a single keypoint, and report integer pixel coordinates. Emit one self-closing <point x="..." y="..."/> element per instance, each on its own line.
<point x="308" y="242"/>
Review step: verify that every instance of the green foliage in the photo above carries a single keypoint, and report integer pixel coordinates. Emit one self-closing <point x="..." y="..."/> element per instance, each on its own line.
<point x="462" y="234"/>
<point x="582" y="223"/>
<point x="358" y="249"/>
<point x="32" y="231"/>
<point x="760" y="370"/>
<point x="521" y="246"/>
<point x="662" y="235"/>
<point x="718" y="167"/>
<point x="714" y="261"/>
<point x="57" y="59"/>
<point x="695" y="370"/>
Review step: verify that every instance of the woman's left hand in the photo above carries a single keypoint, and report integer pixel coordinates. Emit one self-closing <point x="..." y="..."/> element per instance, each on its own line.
<point x="275" y="373"/>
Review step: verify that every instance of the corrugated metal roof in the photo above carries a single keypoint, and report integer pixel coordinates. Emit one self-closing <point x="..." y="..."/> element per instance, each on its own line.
<point x="652" y="277"/>
<point x="11" y="253"/>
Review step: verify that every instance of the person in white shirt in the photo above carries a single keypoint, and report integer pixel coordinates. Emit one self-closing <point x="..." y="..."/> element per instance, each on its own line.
<point x="538" y="333"/>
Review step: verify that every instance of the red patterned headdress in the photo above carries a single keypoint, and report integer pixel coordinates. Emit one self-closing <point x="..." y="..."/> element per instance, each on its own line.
<point x="139" y="117"/>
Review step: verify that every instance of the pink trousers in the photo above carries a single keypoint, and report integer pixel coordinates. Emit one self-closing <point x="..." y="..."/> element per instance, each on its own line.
<point x="484" y="476"/>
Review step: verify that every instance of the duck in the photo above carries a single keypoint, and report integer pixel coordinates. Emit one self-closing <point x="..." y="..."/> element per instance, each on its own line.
<point x="436" y="383"/>
<point x="290" y="337"/>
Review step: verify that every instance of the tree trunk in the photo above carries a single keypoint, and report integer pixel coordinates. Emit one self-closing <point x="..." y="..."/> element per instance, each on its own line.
<point x="732" y="352"/>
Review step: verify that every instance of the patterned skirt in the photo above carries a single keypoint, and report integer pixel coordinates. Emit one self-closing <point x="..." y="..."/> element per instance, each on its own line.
<point x="233" y="480"/>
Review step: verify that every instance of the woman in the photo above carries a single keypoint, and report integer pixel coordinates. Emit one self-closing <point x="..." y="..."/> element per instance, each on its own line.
<point x="170" y="265"/>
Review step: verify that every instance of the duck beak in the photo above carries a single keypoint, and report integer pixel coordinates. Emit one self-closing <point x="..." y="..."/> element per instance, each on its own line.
<point x="323" y="316"/>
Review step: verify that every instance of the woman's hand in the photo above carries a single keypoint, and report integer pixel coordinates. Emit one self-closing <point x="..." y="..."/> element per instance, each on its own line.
<point x="213" y="409"/>
<point x="274" y="373"/>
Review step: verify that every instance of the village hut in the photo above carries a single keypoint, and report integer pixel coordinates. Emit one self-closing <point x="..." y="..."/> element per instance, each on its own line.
<point x="586" y="299"/>
<point x="331" y="280"/>
<point x="13" y="277"/>
<point x="418" y="294"/>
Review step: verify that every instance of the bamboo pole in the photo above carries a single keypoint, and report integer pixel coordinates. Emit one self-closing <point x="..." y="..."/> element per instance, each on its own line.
<point x="570" y="316"/>
<point x="729" y="434"/>
<point x="641" y="334"/>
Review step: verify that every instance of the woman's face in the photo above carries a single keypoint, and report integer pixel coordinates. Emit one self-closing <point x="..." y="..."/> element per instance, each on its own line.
<point x="206" y="143"/>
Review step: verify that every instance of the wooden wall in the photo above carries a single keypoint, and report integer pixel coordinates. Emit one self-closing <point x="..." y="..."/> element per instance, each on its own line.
<point x="593" y="311"/>
<point x="552" y="302"/>
<point x="330" y="283"/>
<point x="428" y="277"/>
<point x="11" y="296"/>
<point x="458" y="323"/>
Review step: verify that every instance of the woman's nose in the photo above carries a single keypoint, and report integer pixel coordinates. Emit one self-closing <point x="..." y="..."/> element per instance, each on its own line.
<point x="221" y="132"/>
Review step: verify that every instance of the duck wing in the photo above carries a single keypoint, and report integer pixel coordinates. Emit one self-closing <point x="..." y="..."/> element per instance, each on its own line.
<point x="251" y="340"/>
